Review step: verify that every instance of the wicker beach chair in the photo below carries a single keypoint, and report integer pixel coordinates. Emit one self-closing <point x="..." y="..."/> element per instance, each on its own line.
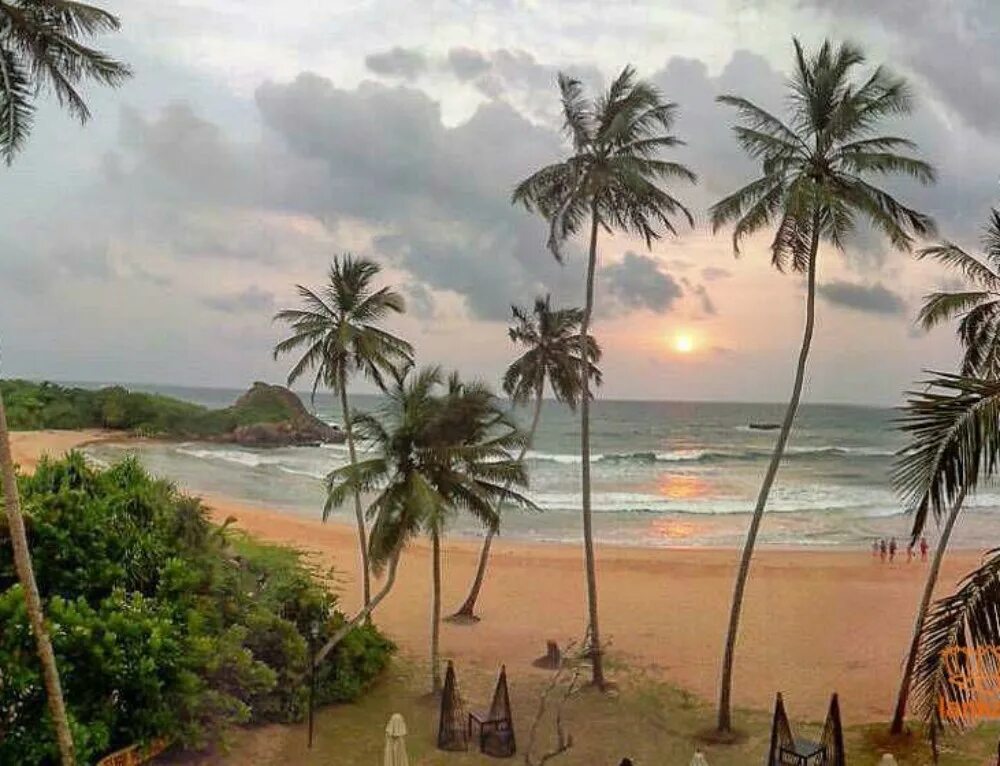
<point x="452" y="732"/>
<point x="495" y="727"/>
<point x="833" y="735"/>
<point x="785" y="749"/>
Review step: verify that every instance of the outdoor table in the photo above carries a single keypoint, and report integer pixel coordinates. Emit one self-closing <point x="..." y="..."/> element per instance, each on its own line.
<point x="802" y="753"/>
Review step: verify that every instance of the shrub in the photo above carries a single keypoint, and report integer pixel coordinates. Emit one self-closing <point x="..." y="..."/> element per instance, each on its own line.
<point x="162" y="624"/>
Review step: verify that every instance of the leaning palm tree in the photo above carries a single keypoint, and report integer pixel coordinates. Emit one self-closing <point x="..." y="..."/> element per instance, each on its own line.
<point x="551" y="339"/>
<point x="42" y="49"/>
<point x="814" y="186"/>
<point x="337" y="329"/>
<point x="438" y="449"/>
<point x="977" y="308"/>
<point x="611" y="182"/>
<point x="954" y="428"/>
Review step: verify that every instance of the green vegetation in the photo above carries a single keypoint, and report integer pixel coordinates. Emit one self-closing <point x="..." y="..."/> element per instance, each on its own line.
<point x="162" y="624"/>
<point x="32" y="406"/>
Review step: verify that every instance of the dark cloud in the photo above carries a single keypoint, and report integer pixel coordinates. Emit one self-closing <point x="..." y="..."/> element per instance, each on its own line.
<point x="467" y="63"/>
<point x="705" y="300"/>
<point x="252" y="300"/>
<point x="638" y="282"/>
<point x="874" y="299"/>
<point x="405" y="63"/>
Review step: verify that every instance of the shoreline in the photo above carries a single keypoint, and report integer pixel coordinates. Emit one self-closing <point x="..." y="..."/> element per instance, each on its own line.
<point x="836" y="611"/>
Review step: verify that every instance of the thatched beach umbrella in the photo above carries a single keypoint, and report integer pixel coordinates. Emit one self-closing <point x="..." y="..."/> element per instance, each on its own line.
<point x="395" y="742"/>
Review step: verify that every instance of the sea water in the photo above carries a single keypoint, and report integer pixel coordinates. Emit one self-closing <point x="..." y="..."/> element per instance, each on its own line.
<point x="663" y="474"/>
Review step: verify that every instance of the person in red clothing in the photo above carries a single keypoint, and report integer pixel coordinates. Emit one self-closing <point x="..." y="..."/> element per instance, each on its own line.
<point x="923" y="548"/>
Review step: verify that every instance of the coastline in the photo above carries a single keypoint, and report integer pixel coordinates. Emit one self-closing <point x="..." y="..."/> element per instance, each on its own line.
<point x="840" y="613"/>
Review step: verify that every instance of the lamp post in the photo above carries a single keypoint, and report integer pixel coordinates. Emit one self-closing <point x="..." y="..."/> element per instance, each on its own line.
<point x="313" y="635"/>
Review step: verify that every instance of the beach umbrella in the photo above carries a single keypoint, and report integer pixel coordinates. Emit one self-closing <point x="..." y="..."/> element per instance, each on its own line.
<point x="395" y="742"/>
<point x="699" y="759"/>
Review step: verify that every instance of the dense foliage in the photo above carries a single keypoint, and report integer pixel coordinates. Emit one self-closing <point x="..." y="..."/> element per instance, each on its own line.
<point x="32" y="406"/>
<point x="163" y="624"/>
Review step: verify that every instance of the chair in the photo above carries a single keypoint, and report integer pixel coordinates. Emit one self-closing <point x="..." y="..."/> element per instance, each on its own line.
<point x="452" y="732"/>
<point x="495" y="727"/>
<point x="785" y="749"/>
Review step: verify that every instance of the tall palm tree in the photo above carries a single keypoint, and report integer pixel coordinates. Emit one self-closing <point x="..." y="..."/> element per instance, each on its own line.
<point x="42" y="49"/>
<point x="552" y="355"/>
<point x="439" y="447"/>
<point x="977" y="308"/>
<point x="611" y="181"/>
<point x="815" y="184"/>
<point x="954" y="444"/>
<point x="337" y="329"/>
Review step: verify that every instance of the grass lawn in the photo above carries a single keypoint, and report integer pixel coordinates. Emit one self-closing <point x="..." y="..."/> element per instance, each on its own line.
<point x="650" y="721"/>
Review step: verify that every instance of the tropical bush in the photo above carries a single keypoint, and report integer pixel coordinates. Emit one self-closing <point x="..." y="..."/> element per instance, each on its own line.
<point x="162" y="624"/>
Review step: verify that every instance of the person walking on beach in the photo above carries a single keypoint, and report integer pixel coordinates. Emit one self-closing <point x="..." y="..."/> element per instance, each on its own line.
<point x="882" y="549"/>
<point x="875" y="548"/>
<point x="892" y="550"/>
<point x="909" y="552"/>
<point x="923" y="549"/>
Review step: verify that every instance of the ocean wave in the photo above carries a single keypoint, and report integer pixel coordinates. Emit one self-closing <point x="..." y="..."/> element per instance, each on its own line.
<point x="711" y="456"/>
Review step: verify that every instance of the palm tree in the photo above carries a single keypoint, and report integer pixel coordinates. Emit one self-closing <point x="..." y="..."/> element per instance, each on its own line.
<point x="611" y="180"/>
<point x="338" y="330"/>
<point x="978" y="308"/>
<point x="551" y="339"/>
<point x="42" y="49"/>
<point x="437" y="449"/>
<point x="815" y="184"/>
<point x="955" y="443"/>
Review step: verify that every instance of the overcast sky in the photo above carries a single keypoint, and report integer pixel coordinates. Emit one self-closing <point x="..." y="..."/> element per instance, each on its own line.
<point x="258" y="139"/>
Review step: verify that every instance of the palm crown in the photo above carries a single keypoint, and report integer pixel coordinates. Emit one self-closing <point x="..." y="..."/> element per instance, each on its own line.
<point x="41" y="48"/>
<point x="816" y="167"/>
<point x="437" y="448"/>
<point x="337" y="327"/>
<point x="979" y="308"/>
<point x="551" y="338"/>
<point x="614" y="170"/>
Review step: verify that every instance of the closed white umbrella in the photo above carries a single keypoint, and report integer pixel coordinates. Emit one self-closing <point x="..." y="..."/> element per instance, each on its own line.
<point x="395" y="742"/>
<point x="699" y="759"/>
<point x="888" y="759"/>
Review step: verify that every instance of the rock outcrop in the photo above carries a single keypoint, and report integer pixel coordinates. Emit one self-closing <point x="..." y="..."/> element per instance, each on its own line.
<point x="274" y="416"/>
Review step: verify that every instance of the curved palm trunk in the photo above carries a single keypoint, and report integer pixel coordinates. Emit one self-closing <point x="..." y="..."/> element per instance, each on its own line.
<point x="33" y="602"/>
<point x="725" y="690"/>
<point x="436" y="611"/>
<point x="899" y="717"/>
<point x="596" y="650"/>
<point x="468" y="609"/>
<point x="358" y="513"/>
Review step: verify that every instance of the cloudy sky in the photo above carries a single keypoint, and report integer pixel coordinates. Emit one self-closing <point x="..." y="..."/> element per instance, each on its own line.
<point x="258" y="139"/>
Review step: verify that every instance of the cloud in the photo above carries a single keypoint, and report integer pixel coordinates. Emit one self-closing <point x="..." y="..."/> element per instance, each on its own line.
<point x="250" y="300"/>
<point x="638" y="282"/>
<point x="873" y="299"/>
<point x="467" y="63"/>
<point x="405" y="63"/>
<point x="714" y="273"/>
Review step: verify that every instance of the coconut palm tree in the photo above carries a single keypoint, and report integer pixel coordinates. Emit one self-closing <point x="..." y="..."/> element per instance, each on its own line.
<point x="439" y="447"/>
<point x="551" y="339"/>
<point x="978" y="308"/>
<point x="337" y="330"/>
<point x="43" y="50"/>
<point x="815" y="184"/>
<point x="954" y="427"/>
<point x="611" y="181"/>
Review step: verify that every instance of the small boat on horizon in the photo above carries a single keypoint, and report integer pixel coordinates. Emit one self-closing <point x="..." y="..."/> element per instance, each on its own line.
<point x="764" y="426"/>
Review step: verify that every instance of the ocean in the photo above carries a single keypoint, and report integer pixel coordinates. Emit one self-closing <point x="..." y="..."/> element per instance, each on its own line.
<point x="664" y="474"/>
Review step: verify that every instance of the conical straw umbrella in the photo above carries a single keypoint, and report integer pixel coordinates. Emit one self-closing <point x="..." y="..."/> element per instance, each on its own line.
<point x="395" y="742"/>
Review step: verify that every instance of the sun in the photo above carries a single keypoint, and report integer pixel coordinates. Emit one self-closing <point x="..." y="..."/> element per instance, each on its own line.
<point x="684" y="343"/>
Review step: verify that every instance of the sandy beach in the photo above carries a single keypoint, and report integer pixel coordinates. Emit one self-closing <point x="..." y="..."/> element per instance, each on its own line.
<point x="814" y="621"/>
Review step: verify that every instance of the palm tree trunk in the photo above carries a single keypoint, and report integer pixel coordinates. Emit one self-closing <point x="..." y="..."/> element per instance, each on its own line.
<point x="467" y="612"/>
<point x="359" y="515"/>
<point x="33" y="602"/>
<point x="436" y="611"/>
<point x="725" y="691"/>
<point x="594" y="633"/>
<point x="899" y="717"/>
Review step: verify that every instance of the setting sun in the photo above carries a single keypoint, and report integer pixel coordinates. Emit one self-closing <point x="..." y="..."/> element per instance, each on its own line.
<point x="683" y="343"/>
